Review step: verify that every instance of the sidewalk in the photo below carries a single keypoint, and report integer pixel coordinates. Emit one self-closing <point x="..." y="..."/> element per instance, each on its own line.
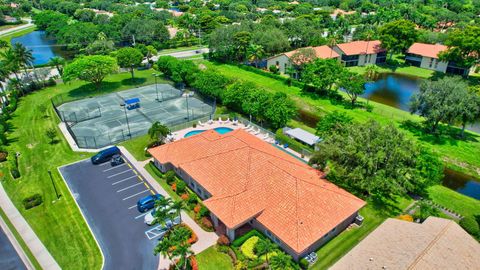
<point x="205" y="239"/>
<point x="37" y="248"/>
<point x="18" y="28"/>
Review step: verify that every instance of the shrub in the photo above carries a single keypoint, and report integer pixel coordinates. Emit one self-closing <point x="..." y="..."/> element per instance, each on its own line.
<point x="193" y="263"/>
<point x="196" y="209"/>
<point x="3" y="156"/>
<point x="207" y="223"/>
<point x="184" y="196"/>
<point x="203" y="212"/>
<point x="32" y="201"/>
<point x="304" y="264"/>
<point x="192" y="198"/>
<point x="223" y="249"/>
<point x="174" y="187"/>
<point x="170" y="177"/>
<point x="248" y="247"/>
<point x="223" y="240"/>
<point x="470" y="225"/>
<point x="181" y="187"/>
<point x="273" y="69"/>
<point x="240" y="240"/>
<point x="406" y="218"/>
<point x="15" y="173"/>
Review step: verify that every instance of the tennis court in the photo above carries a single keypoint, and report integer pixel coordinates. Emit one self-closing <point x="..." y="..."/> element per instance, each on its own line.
<point x="99" y="121"/>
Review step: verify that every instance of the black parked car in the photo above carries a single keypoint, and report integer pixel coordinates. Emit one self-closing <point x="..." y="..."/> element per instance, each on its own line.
<point x="105" y="155"/>
<point x="116" y="160"/>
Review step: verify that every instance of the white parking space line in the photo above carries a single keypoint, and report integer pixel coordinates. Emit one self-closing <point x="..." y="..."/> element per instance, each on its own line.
<point x="113" y="175"/>
<point x="134" y="185"/>
<point x="131" y="196"/>
<point x="139" y="216"/>
<point x="128" y="178"/>
<point x="153" y="233"/>
<point x="103" y="164"/>
<point x="133" y="206"/>
<point x="118" y="166"/>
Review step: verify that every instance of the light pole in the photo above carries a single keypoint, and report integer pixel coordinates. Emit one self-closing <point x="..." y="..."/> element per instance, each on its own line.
<point x="126" y="117"/>
<point x="53" y="183"/>
<point x="186" y="98"/>
<point x="156" y="87"/>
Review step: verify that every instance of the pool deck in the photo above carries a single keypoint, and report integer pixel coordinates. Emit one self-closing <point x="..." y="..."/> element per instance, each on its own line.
<point x="177" y="135"/>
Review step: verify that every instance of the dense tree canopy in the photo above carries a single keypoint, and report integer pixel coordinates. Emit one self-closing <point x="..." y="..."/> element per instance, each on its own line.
<point x="90" y="68"/>
<point x="398" y="36"/>
<point x="389" y="164"/>
<point x="129" y="58"/>
<point x="464" y="46"/>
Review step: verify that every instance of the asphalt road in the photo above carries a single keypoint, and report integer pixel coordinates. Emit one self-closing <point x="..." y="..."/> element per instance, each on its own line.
<point x="9" y="259"/>
<point x="107" y="197"/>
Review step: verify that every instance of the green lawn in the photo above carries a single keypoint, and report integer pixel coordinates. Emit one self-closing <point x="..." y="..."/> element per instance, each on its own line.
<point x="455" y="201"/>
<point x="155" y="173"/>
<point x="211" y="259"/>
<point x="8" y="37"/>
<point x="374" y="214"/>
<point x="180" y="49"/>
<point x="136" y="147"/>
<point x="458" y="154"/>
<point x="407" y="70"/>
<point x="59" y="225"/>
<point x="17" y="236"/>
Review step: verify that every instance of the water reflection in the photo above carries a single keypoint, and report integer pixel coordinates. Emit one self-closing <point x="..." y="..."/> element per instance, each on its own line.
<point x="43" y="48"/>
<point x="462" y="183"/>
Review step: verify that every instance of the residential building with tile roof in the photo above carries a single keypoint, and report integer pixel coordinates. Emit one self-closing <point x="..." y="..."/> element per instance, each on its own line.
<point x="437" y="244"/>
<point x="245" y="181"/>
<point x="361" y="53"/>
<point x="284" y="61"/>
<point x="428" y="56"/>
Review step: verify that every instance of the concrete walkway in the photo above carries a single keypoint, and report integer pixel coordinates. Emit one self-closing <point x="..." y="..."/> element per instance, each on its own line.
<point x="37" y="248"/>
<point x="18" y="28"/>
<point x="205" y="239"/>
<point x="18" y="248"/>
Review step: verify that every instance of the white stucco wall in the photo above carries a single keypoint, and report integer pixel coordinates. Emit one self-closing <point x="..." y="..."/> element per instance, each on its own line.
<point x="281" y="61"/>
<point x="433" y="64"/>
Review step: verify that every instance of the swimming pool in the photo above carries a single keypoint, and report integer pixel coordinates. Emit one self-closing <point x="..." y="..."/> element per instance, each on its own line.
<point x="220" y="130"/>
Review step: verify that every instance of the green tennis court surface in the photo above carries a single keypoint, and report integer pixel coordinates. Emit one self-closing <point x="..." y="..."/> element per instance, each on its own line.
<point x="99" y="121"/>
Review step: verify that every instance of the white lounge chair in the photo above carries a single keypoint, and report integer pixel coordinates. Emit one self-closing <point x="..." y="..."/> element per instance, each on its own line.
<point x="210" y="122"/>
<point x="246" y="127"/>
<point x="201" y="124"/>
<point x="227" y="121"/>
<point x="256" y="132"/>
<point x="220" y="120"/>
<point x="235" y="122"/>
<point x="251" y="128"/>
<point x="265" y="137"/>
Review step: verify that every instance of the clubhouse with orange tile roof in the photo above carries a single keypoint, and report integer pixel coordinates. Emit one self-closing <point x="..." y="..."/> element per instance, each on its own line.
<point x="245" y="181"/>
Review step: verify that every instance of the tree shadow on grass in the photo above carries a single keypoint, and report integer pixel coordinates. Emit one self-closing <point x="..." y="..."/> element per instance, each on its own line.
<point x="89" y="90"/>
<point x="385" y="206"/>
<point x="445" y="134"/>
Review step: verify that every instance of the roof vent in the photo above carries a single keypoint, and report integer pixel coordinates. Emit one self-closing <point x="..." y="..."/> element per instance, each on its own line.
<point x="371" y="259"/>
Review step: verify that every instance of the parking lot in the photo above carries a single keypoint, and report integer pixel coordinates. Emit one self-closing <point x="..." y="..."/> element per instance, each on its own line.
<point x="9" y="258"/>
<point x="107" y="197"/>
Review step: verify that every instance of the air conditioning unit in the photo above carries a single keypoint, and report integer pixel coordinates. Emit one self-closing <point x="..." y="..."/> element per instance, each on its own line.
<point x="359" y="220"/>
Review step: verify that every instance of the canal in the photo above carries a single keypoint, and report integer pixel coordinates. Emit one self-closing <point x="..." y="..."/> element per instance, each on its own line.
<point x="396" y="90"/>
<point x="43" y="48"/>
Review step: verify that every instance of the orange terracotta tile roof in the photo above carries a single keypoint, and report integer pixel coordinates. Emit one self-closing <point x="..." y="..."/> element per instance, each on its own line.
<point x="427" y="50"/>
<point x="324" y="52"/>
<point x="361" y="47"/>
<point x="249" y="178"/>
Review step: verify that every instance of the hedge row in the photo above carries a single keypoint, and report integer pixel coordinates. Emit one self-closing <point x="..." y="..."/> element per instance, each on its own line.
<point x="286" y="80"/>
<point x="240" y="240"/>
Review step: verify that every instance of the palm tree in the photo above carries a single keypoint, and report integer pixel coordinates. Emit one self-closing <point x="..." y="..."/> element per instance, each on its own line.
<point x="179" y="237"/>
<point x="158" y="132"/>
<point x="255" y="53"/>
<point x="164" y="248"/>
<point x="11" y="63"/>
<point x="58" y="62"/>
<point x="265" y="246"/>
<point x="183" y="250"/>
<point x="16" y="85"/>
<point x="3" y="44"/>
<point x="282" y="261"/>
<point x="178" y="206"/>
<point x="23" y="56"/>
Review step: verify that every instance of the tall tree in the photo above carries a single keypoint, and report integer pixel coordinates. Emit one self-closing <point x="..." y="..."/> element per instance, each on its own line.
<point x="389" y="164"/>
<point x="463" y="46"/>
<point x="129" y="58"/>
<point x="255" y="53"/>
<point x="92" y="69"/>
<point x="265" y="247"/>
<point x="353" y="84"/>
<point x="398" y="36"/>
<point x="438" y="101"/>
<point x="23" y="56"/>
<point x="158" y="132"/>
<point x="323" y="73"/>
<point x="58" y="62"/>
<point x="241" y="41"/>
<point x="280" y="110"/>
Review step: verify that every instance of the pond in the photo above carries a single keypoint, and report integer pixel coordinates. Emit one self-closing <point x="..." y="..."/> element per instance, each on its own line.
<point x="462" y="183"/>
<point x="43" y="48"/>
<point x="395" y="90"/>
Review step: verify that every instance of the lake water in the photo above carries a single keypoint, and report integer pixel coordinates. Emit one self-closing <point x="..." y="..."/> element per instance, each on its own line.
<point x="43" y="48"/>
<point x="396" y="90"/>
<point x="462" y="183"/>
